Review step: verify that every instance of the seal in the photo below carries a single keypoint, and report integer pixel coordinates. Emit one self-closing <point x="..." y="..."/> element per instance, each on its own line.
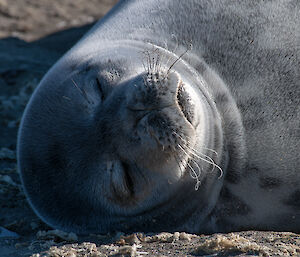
<point x="170" y="116"/>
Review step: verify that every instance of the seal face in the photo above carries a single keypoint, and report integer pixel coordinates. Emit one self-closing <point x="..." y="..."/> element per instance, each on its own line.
<point x="131" y="134"/>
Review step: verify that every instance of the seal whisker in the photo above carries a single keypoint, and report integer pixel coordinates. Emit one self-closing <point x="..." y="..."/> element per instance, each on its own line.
<point x="208" y="149"/>
<point x="180" y="56"/>
<point x="155" y="60"/>
<point x="82" y="92"/>
<point x="157" y="65"/>
<point x="148" y="61"/>
<point x="196" y="154"/>
<point x="143" y="63"/>
<point x="152" y="58"/>
<point x="199" y="174"/>
<point x="210" y="161"/>
<point x="175" y="49"/>
<point x="193" y="173"/>
<point x="67" y="98"/>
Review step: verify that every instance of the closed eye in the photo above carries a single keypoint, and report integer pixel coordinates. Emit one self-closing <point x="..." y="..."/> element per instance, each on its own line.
<point x="100" y="88"/>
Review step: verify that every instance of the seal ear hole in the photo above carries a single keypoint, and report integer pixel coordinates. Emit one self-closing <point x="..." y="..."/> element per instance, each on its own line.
<point x="101" y="92"/>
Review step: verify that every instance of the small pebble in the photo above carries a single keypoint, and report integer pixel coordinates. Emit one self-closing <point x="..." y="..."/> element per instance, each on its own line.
<point x="185" y="236"/>
<point x="130" y="239"/>
<point x="127" y="250"/>
<point x="176" y="235"/>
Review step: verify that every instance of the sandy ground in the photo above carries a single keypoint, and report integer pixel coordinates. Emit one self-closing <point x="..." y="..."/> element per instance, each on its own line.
<point x="43" y="30"/>
<point x="33" y="19"/>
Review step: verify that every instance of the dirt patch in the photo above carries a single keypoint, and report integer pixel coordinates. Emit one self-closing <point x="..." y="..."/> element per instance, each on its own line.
<point x="32" y="19"/>
<point x="23" y="62"/>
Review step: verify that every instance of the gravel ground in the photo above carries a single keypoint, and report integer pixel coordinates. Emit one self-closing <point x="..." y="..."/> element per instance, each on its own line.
<point x="43" y="30"/>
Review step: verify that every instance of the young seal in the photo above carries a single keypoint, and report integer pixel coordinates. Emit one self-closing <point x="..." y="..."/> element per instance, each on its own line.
<point x="170" y="116"/>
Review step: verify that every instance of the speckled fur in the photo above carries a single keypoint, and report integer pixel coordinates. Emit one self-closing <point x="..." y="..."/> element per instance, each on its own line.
<point x="246" y="56"/>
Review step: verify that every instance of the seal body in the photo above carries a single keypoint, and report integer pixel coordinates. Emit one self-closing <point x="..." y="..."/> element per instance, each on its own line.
<point x="170" y="116"/>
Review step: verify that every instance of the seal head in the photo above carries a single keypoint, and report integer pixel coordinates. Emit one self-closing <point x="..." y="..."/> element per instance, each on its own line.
<point x="129" y="133"/>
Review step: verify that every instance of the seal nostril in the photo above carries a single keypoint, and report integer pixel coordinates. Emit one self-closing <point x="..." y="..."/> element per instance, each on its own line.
<point x="184" y="102"/>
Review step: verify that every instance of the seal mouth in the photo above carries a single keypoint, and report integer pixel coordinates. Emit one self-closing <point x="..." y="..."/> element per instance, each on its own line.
<point x="127" y="178"/>
<point x="185" y="103"/>
<point x="123" y="183"/>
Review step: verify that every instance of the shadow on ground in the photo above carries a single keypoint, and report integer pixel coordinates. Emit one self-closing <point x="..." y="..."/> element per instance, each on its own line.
<point x="22" y="65"/>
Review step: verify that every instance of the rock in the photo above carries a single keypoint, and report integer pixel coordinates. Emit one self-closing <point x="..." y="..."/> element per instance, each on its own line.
<point x="232" y="243"/>
<point x="57" y="235"/>
<point x="130" y="240"/>
<point x="127" y="251"/>
<point x="162" y="237"/>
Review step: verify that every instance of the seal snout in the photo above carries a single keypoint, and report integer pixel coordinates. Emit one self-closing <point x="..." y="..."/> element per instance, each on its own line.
<point x="155" y="92"/>
<point x="159" y="113"/>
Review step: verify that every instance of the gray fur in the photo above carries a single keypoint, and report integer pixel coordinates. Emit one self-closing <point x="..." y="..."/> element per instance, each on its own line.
<point x="108" y="139"/>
